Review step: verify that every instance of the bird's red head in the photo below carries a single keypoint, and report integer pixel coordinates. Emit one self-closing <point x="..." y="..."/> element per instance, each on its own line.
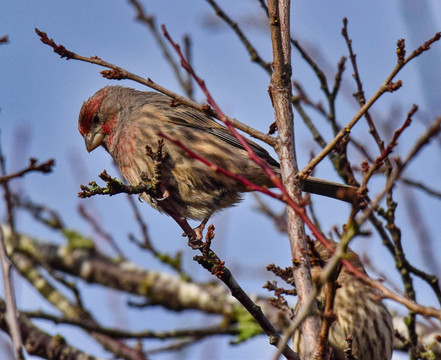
<point x="89" y="110"/>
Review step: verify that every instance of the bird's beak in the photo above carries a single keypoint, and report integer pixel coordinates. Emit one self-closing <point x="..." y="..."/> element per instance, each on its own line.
<point x="93" y="140"/>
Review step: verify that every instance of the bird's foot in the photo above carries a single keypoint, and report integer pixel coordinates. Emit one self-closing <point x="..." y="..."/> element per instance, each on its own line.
<point x="195" y="242"/>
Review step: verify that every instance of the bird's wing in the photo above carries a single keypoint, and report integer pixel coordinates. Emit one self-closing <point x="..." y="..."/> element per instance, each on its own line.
<point x="189" y="117"/>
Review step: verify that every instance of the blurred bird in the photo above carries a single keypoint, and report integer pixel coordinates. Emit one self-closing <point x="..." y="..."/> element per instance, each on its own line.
<point x="359" y="313"/>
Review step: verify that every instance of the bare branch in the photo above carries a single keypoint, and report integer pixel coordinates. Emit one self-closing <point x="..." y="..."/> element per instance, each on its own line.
<point x="254" y="55"/>
<point x="119" y="73"/>
<point x="150" y="21"/>
<point x="281" y="95"/>
<point x="146" y="334"/>
<point x="45" y="168"/>
<point x="387" y="86"/>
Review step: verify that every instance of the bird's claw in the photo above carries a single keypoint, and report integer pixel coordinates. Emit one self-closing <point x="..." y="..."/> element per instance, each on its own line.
<point x="165" y="196"/>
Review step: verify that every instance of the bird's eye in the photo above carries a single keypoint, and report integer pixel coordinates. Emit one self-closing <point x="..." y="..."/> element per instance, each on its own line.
<point x="96" y="119"/>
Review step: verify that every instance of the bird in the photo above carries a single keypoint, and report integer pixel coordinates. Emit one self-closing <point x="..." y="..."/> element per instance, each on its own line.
<point x="124" y="121"/>
<point x="358" y="310"/>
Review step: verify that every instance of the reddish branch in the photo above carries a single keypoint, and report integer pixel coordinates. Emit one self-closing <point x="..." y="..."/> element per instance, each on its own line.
<point x="119" y="73"/>
<point x="250" y="185"/>
<point x="150" y="21"/>
<point x="222" y="117"/>
<point x="397" y="134"/>
<point x="274" y="178"/>
<point x="387" y="86"/>
<point x="59" y="49"/>
<point x="286" y="198"/>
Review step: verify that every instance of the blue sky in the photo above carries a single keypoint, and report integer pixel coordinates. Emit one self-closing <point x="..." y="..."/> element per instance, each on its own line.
<point x="41" y="94"/>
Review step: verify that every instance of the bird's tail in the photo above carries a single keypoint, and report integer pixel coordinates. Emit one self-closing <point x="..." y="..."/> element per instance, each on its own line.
<point x="331" y="189"/>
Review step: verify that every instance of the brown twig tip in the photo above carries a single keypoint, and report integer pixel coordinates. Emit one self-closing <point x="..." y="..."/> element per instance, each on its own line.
<point x="426" y="45"/>
<point x="113" y="74"/>
<point x="113" y="187"/>
<point x="45" y="168"/>
<point x="4" y="39"/>
<point x="401" y="51"/>
<point x="184" y="62"/>
<point x="394" y="142"/>
<point x="59" y="49"/>
<point x="344" y="30"/>
<point x="394" y="86"/>
<point x="210" y="234"/>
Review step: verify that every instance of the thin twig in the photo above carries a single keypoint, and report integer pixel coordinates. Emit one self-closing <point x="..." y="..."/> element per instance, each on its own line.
<point x="388" y="149"/>
<point x="41" y="213"/>
<point x="173" y="261"/>
<point x="150" y="21"/>
<point x="387" y="86"/>
<point x="210" y="261"/>
<point x="175" y="346"/>
<point x="421" y="186"/>
<point x="146" y="334"/>
<point x="359" y="95"/>
<point x="45" y="168"/>
<point x="328" y="317"/>
<point x="254" y="55"/>
<point x="100" y="231"/>
<point x="408" y="303"/>
<point x="7" y="193"/>
<point x="119" y="73"/>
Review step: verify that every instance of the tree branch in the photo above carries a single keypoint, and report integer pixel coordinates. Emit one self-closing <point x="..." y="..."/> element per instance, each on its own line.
<point x="281" y="95"/>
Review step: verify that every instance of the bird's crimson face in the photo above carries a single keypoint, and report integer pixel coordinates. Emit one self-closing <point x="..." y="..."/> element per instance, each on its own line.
<point x="92" y="125"/>
<point x="89" y="112"/>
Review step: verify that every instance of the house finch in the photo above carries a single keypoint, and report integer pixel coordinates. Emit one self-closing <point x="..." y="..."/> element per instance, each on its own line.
<point x="359" y="313"/>
<point x="125" y="120"/>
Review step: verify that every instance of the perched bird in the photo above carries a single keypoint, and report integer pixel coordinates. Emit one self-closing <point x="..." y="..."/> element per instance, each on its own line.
<point x="124" y="121"/>
<point x="359" y="313"/>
